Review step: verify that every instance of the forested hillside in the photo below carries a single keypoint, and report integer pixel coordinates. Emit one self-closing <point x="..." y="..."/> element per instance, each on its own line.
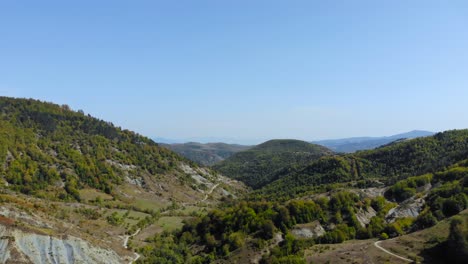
<point x="260" y="165"/>
<point x="66" y="173"/>
<point x="45" y="145"/>
<point x="206" y="154"/>
<point x="420" y="183"/>
<point x="387" y="164"/>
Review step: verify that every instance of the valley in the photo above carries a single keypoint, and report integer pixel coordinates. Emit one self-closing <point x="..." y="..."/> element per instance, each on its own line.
<point x="76" y="189"/>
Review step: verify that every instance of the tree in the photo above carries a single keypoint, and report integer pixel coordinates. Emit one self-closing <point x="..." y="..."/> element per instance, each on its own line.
<point x="457" y="243"/>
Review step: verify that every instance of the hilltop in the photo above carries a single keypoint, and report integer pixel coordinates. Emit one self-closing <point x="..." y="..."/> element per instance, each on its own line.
<point x="206" y="154"/>
<point x="389" y="163"/>
<point x="349" y="145"/>
<point x="259" y="165"/>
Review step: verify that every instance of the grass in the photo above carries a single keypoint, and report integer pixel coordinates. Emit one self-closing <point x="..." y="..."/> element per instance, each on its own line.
<point x="91" y="194"/>
<point x="145" y="204"/>
<point x="170" y="223"/>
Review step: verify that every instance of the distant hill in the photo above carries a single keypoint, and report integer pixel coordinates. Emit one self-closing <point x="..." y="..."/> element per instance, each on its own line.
<point x="349" y="145"/>
<point x="258" y="166"/>
<point x="206" y="154"/>
<point x="393" y="162"/>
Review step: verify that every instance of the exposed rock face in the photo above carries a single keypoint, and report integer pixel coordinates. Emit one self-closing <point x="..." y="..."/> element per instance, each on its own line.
<point x="372" y="192"/>
<point x="17" y="246"/>
<point x="409" y="208"/>
<point x="310" y="230"/>
<point x="364" y="216"/>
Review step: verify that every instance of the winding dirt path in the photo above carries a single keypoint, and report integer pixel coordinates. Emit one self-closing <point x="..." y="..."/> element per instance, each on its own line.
<point x="376" y="244"/>
<point x="210" y="192"/>
<point x="125" y="245"/>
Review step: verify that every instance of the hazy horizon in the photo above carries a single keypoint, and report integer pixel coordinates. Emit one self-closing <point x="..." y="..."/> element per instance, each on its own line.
<point x="256" y="141"/>
<point x="247" y="71"/>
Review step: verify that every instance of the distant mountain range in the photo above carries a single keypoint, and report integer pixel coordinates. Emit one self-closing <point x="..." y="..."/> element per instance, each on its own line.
<point x="206" y="154"/>
<point x="206" y="140"/>
<point x="209" y="154"/>
<point x="349" y="145"/>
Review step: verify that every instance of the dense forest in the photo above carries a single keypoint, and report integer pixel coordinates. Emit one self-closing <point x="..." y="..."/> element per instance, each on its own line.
<point x="45" y="147"/>
<point x="262" y="164"/>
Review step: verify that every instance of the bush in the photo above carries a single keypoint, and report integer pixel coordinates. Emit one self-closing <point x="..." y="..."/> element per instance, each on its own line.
<point x="383" y="236"/>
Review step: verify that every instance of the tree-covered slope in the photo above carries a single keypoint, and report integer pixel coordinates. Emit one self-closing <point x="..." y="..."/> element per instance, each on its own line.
<point x="259" y="165"/>
<point x="267" y="230"/>
<point x="206" y="154"/>
<point x="84" y="185"/>
<point x="50" y="151"/>
<point x="392" y="162"/>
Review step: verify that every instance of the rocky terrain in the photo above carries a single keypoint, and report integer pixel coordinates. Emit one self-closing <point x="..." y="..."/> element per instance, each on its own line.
<point x="17" y="246"/>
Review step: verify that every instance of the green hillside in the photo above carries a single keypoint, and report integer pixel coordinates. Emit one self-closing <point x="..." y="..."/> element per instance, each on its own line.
<point x="259" y="165"/>
<point x="206" y="154"/>
<point x="44" y="144"/>
<point x="53" y="152"/>
<point x="425" y="180"/>
<point x="64" y="173"/>
<point x="388" y="164"/>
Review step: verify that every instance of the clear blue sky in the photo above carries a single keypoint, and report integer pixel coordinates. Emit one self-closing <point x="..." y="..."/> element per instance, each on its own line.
<point x="245" y="70"/>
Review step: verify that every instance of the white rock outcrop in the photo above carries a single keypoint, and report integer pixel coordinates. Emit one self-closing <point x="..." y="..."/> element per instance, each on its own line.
<point x="310" y="230"/>
<point x="409" y="208"/>
<point x="17" y="246"/>
<point x="364" y="215"/>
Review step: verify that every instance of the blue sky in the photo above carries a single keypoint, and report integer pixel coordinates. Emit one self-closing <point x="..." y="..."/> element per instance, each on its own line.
<point x="243" y="70"/>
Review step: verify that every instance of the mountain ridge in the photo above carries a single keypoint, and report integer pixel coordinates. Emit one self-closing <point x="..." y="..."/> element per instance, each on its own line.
<point x="353" y="144"/>
<point x="206" y="153"/>
<point x="258" y="165"/>
<point x="402" y="159"/>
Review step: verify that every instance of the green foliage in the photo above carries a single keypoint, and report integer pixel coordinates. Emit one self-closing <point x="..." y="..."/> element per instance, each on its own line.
<point x="399" y="227"/>
<point x="44" y="145"/>
<point x="451" y="197"/>
<point x="223" y="231"/>
<point x="378" y="203"/>
<point x="383" y="236"/>
<point x="425" y="219"/>
<point x="341" y="233"/>
<point x="115" y="219"/>
<point x="89" y="213"/>
<point x="394" y="162"/>
<point x="288" y="251"/>
<point x="457" y="242"/>
<point x="407" y="188"/>
<point x="262" y="164"/>
<point x="455" y="248"/>
<point x="164" y="249"/>
<point x="206" y="154"/>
